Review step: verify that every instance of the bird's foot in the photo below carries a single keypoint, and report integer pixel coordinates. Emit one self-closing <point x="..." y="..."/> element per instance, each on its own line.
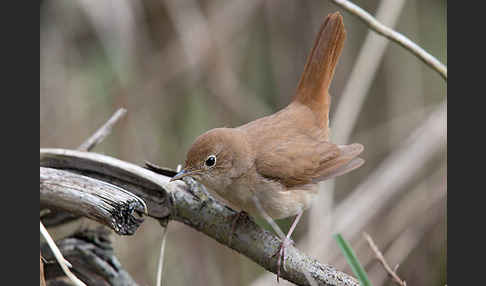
<point x="241" y="214"/>
<point x="281" y="254"/>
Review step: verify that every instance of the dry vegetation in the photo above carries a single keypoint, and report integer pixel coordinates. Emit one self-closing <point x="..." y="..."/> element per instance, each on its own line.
<point x="181" y="67"/>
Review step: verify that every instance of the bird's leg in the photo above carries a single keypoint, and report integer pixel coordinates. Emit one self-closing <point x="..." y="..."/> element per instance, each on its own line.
<point x="285" y="243"/>
<point x="269" y="219"/>
<point x="237" y="216"/>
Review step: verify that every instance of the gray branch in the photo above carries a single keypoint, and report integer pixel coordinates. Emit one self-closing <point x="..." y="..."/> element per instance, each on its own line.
<point x="189" y="204"/>
<point x="95" y="199"/>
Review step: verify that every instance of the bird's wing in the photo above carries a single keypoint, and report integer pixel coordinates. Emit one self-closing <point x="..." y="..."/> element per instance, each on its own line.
<point x="302" y="159"/>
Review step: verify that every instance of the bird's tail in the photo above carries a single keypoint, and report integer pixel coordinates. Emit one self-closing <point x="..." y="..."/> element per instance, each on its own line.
<point x="319" y="69"/>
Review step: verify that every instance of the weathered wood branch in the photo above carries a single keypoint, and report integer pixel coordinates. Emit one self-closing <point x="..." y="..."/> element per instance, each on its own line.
<point x="91" y="255"/>
<point x="58" y="217"/>
<point x="95" y="199"/>
<point x="187" y="203"/>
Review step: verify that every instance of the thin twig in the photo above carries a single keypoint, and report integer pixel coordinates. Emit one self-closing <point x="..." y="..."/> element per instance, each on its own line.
<point x="403" y="41"/>
<point x="160" y="266"/>
<point x="381" y="258"/>
<point x="42" y="278"/>
<point x="102" y="132"/>
<point x="60" y="259"/>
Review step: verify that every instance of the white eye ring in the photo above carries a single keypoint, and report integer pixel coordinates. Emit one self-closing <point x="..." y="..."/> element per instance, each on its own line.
<point x="210" y="161"/>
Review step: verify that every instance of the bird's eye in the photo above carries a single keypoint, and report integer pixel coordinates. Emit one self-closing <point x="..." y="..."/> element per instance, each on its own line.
<point x="210" y="161"/>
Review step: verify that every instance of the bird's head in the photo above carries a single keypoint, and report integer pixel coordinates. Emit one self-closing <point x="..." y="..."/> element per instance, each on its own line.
<point x="216" y="158"/>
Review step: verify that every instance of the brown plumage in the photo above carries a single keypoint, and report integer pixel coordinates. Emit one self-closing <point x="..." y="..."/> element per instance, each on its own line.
<point x="279" y="159"/>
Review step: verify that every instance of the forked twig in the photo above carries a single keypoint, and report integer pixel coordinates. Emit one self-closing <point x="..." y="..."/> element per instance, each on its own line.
<point x="381" y="258"/>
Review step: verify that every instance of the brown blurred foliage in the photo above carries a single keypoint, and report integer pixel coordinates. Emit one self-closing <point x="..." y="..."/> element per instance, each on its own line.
<point x="181" y="67"/>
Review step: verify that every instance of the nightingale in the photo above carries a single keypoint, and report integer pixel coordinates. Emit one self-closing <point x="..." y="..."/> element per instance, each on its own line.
<point x="271" y="167"/>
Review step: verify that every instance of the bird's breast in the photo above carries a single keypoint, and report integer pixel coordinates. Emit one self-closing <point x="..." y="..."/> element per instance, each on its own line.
<point x="281" y="202"/>
<point x="276" y="200"/>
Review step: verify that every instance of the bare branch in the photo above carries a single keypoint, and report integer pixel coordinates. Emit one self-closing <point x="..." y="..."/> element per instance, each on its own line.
<point x="97" y="200"/>
<point x="102" y="132"/>
<point x="176" y="201"/>
<point x="382" y="259"/>
<point x="403" y="41"/>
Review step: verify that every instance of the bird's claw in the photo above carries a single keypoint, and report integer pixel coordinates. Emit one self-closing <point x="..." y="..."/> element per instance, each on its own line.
<point x="241" y="214"/>
<point x="281" y="255"/>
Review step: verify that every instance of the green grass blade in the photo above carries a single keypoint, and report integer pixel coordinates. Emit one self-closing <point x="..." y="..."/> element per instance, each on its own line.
<point x="352" y="260"/>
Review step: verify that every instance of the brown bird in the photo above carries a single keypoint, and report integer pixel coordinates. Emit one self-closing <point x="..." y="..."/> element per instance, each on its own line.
<point x="270" y="167"/>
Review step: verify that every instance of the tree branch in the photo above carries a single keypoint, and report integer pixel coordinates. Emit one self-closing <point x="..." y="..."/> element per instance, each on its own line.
<point x="396" y="37"/>
<point x="95" y="199"/>
<point x="177" y="201"/>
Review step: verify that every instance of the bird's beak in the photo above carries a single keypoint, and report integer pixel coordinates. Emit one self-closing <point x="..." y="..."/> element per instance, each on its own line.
<point x="182" y="174"/>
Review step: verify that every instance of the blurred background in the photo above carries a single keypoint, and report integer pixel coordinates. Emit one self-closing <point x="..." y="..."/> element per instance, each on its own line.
<point x="182" y="67"/>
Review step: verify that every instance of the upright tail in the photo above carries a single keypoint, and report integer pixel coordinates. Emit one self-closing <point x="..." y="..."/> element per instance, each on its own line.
<point x="319" y="69"/>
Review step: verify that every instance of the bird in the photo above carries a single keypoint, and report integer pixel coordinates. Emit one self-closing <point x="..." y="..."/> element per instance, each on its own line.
<point x="271" y="167"/>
